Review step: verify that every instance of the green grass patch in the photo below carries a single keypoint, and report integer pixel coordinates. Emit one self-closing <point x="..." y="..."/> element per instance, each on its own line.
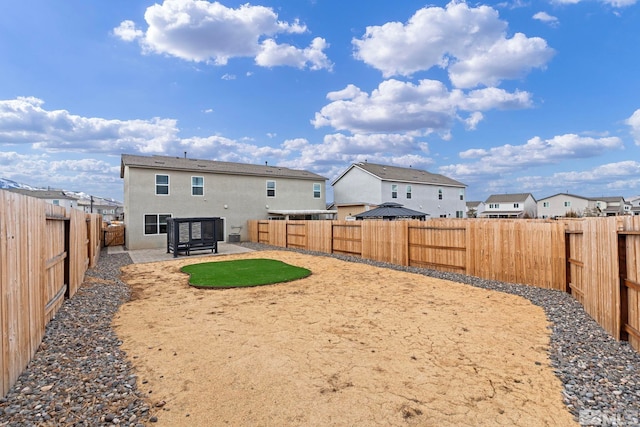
<point x="242" y="273"/>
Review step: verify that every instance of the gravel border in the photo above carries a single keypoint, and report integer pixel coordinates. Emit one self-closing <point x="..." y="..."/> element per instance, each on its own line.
<point x="80" y="377"/>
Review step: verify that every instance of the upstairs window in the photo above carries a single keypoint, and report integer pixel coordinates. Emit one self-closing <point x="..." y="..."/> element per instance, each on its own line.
<point x="545" y="204"/>
<point x="271" y="189"/>
<point x="494" y="205"/>
<point x="197" y="186"/>
<point x="408" y="191"/>
<point x="162" y="185"/>
<point x="440" y="194"/>
<point x="461" y="194"/>
<point x="317" y="191"/>
<point x="516" y="205"/>
<point x="394" y="191"/>
<point x="567" y="204"/>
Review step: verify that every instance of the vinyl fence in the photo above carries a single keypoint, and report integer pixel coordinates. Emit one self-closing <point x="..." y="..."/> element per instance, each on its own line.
<point x="45" y="251"/>
<point x="597" y="260"/>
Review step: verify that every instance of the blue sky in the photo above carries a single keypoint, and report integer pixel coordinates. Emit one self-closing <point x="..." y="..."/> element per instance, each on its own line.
<point x="506" y="97"/>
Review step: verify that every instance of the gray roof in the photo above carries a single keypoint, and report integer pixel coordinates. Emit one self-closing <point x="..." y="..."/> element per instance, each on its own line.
<point x="391" y="210"/>
<point x="42" y="194"/>
<point x="508" y="198"/>
<point x="566" y="194"/>
<point x="399" y="174"/>
<point x="211" y="166"/>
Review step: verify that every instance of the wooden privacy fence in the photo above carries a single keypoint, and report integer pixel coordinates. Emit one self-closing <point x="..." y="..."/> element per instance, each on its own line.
<point x="595" y="259"/>
<point x="45" y="251"/>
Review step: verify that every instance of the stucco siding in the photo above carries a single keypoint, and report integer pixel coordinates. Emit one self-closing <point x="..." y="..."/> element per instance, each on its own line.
<point x="357" y="186"/>
<point x="235" y="198"/>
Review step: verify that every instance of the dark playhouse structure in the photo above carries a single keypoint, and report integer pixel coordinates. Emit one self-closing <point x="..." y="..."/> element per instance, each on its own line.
<point x="390" y="211"/>
<point x="193" y="234"/>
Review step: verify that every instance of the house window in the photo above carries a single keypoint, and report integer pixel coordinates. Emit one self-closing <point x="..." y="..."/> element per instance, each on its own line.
<point x="408" y="191"/>
<point x="56" y="202"/>
<point x="316" y="191"/>
<point x="440" y="194"/>
<point x="155" y="223"/>
<point x="516" y="205"/>
<point x="197" y="186"/>
<point x="394" y="191"/>
<point x="459" y="214"/>
<point x="545" y="204"/>
<point x="567" y="204"/>
<point x="494" y="205"/>
<point x="271" y="189"/>
<point x="162" y="184"/>
<point x="461" y="196"/>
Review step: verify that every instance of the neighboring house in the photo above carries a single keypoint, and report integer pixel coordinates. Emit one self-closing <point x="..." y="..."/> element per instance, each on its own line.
<point x="109" y="209"/>
<point x="614" y="206"/>
<point x="346" y="211"/>
<point x="160" y="187"/>
<point x="519" y="205"/>
<point x="635" y="205"/>
<point x="474" y="209"/>
<point x="565" y="204"/>
<point x="373" y="184"/>
<point x="55" y="197"/>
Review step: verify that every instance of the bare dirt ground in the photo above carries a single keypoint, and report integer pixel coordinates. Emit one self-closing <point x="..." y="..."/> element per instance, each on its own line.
<point x="351" y="345"/>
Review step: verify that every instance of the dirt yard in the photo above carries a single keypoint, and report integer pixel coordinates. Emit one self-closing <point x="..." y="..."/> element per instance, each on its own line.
<point x="351" y="345"/>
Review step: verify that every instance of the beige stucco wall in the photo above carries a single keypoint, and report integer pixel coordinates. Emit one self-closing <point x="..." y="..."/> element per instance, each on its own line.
<point x="235" y="198"/>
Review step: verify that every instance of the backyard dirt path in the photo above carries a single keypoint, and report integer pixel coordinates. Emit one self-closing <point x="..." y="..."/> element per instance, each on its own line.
<point x="351" y="345"/>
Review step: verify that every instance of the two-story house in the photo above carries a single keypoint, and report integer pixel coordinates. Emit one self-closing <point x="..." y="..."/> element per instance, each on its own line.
<point x="55" y="197"/>
<point x="475" y="209"/>
<point x="161" y="187"/>
<point x="565" y="204"/>
<point x="635" y="205"/>
<point x="614" y="206"/>
<point x="365" y="184"/>
<point x="518" y="205"/>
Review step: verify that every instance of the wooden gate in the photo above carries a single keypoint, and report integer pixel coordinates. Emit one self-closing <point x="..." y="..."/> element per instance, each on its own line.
<point x="575" y="264"/>
<point x="629" y="262"/>
<point x="114" y="235"/>
<point x="438" y="247"/>
<point x="296" y="235"/>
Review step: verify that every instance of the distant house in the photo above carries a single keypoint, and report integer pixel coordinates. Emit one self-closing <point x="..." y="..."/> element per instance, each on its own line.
<point x="390" y="212"/>
<point x="474" y="209"/>
<point x="373" y="184"/>
<point x="519" y="205"/>
<point x="109" y="209"/>
<point x="565" y="204"/>
<point x="614" y="206"/>
<point x="160" y="187"/>
<point x="635" y="205"/>
<point x="55" y="197"/>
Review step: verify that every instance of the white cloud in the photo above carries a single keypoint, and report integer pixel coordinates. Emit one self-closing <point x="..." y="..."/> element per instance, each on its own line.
<point x="24" y="121"/>
<point x="547" y="19"/>
<point x="619" y="177"/>
<point x="202" y="31"/>
<point x="273" y="54"/>
<point x="397" y="106"/>
<point x="494" y="163"/>
<point x="470" y="42"/>
<point x="634" y="123"/>
<point x="127" y="31"/>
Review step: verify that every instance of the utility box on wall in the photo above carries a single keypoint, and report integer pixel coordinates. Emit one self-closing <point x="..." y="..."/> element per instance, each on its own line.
<point x="234" y="238"/>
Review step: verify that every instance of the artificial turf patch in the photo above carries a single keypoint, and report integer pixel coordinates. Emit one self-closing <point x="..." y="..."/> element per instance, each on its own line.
<point x="242" y="273"/>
